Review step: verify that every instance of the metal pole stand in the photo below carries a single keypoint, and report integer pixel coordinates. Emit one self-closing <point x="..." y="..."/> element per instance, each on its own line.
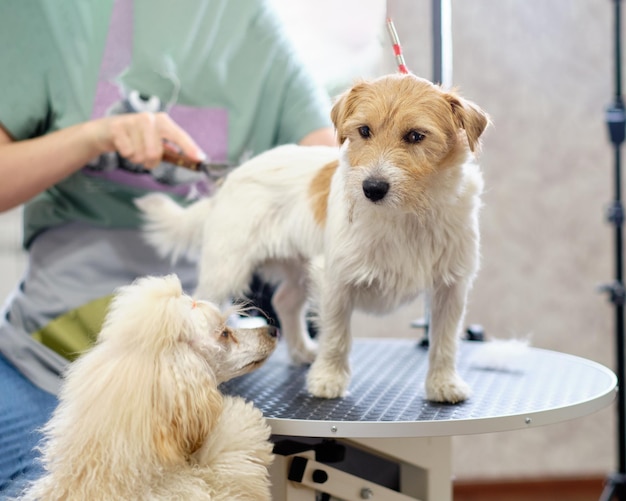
<point x="615" y="487"/>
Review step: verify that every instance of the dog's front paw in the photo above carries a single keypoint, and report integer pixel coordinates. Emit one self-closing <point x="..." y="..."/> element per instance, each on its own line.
<point x="446" y="387"/>
<point x="326" y="380"/>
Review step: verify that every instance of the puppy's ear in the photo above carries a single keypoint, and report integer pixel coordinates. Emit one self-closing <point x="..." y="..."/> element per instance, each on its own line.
<point x="469" y="117"/>
<point x="188" y="419"/>
<point x="344" y="106"/>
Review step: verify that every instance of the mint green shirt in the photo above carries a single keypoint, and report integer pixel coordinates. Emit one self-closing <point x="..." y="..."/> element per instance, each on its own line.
<point x="224" y="66"/>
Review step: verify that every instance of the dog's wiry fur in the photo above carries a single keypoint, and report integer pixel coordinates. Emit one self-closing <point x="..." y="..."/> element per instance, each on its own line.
<point x="391" y="214"/>
<point x="140" y="415"/>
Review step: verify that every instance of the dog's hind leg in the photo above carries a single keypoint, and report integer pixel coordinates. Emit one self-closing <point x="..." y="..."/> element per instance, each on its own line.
<point x="289" y="302"/>
<point x="443" y="384"/>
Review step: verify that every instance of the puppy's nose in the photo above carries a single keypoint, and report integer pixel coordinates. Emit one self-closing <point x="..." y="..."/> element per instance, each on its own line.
<point x="272" y="331"/>
<point x="375" y="189"/>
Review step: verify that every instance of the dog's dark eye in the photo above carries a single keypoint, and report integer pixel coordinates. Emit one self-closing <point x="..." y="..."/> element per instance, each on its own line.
<point x="413" y="137"/>
<point x="225" y="333"/>
<point x="365" y="131"/>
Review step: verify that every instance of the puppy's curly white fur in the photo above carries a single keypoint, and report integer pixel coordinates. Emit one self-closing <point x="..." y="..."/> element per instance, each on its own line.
<point x="140" y="415"/>
<point x="391" y="214"/>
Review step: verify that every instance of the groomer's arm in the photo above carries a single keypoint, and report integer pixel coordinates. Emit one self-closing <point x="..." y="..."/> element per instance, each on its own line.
<point x="30" y="166"/>
<point x="325" y="136"/>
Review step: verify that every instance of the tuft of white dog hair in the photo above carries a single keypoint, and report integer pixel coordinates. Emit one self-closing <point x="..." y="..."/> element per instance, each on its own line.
<point x="505" y="355"/>
<point x="389" y="215"/>
<point x="140" y="415"/>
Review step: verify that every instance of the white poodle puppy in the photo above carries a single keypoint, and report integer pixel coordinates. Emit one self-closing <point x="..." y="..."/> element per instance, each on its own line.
<point x="140" y="416"/>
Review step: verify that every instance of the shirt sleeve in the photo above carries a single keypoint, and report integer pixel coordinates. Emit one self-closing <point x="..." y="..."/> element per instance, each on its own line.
<point x="24" y="104"/>
<point x="302" y="104"/>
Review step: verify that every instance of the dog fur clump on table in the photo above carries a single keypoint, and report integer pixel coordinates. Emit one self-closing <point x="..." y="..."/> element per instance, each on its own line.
<point x="140" y="415"/>
<point x="390" y="214"/>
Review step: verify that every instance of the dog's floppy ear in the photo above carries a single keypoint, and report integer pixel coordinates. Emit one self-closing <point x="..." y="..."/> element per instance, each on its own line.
<point x="147" y="329"/>
<point x="192" y="415"/>
<point x="344" y="107"/>
<point x="468" y="116"/>
<point x="189" y="400"/>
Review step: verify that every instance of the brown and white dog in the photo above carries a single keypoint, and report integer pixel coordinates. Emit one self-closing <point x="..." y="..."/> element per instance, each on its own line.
<point x="390" y="214"/>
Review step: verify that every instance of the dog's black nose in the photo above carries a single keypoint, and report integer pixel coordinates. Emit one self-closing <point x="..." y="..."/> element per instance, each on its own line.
<point x="272" y="331"/>
<point x="375" y="189"/>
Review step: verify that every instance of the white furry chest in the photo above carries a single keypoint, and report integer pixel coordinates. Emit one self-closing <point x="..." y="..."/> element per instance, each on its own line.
<point x="387" y="257"/>
<point x="384" y="265"/>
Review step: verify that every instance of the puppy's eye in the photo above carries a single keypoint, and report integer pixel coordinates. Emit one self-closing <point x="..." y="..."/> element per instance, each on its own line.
<point x="227" y="336"/>
<point x="365" y="131"/>
<point x="413" y="137"/>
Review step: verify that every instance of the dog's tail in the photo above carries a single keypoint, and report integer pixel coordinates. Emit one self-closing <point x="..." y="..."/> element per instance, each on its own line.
<point x="173" y="230"/>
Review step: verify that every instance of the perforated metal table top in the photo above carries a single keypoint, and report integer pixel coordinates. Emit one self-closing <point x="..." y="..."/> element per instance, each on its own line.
<point x="387" y="399"/>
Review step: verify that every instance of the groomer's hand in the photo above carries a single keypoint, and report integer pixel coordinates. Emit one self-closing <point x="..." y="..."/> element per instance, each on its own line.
<point x="139" y="137"/>
<point x="29" y="166"/>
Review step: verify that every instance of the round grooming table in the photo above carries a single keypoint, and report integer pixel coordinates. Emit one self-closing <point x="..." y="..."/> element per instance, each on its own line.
<point x="386" y="411"/>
